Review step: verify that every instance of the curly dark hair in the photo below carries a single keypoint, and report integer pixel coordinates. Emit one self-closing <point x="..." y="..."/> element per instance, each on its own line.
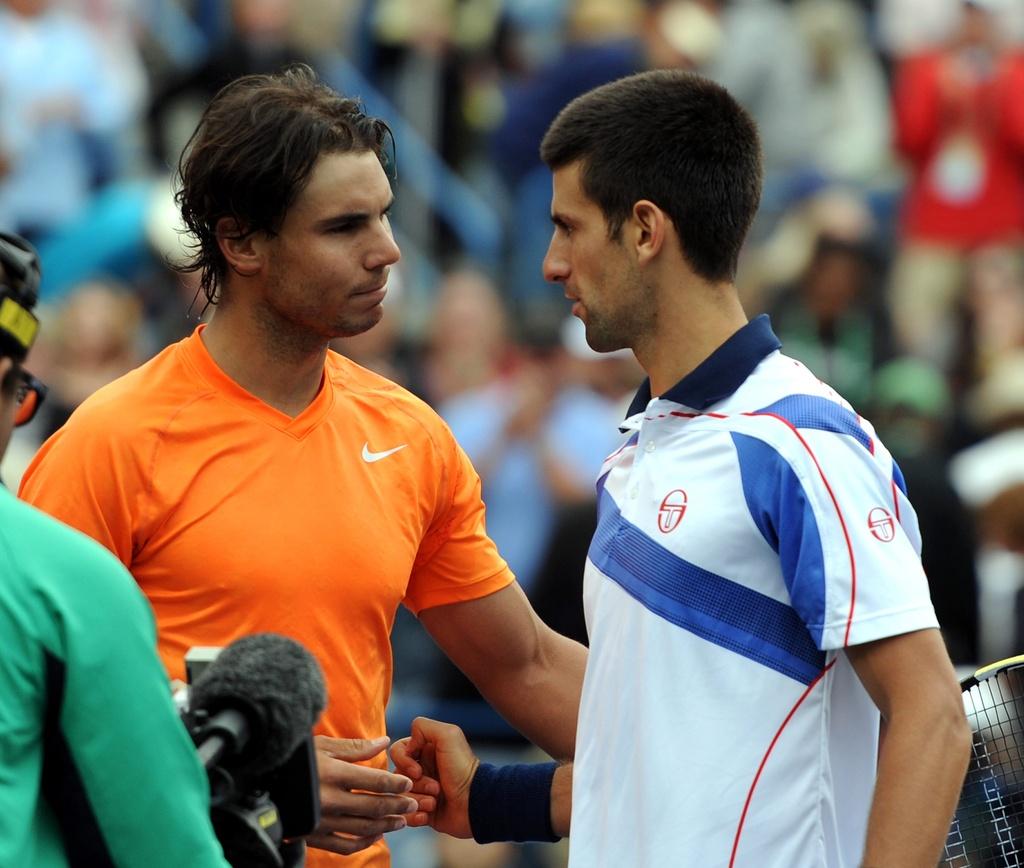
<point x="253" y="152"/>
<point x="676" y="139"/>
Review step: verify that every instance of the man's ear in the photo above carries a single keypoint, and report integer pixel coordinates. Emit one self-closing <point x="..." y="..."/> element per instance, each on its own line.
<point x="240" y="248"/>
<point x="650" y="230"/>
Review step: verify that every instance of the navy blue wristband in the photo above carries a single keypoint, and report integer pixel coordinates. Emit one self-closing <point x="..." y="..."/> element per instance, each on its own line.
<point x="511" y="803"/>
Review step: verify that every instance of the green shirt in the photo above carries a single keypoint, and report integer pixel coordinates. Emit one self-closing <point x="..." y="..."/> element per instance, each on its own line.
<point x="94" y="761"/>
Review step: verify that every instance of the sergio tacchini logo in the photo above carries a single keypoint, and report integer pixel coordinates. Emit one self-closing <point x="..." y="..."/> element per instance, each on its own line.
<point x="369" y="457"/>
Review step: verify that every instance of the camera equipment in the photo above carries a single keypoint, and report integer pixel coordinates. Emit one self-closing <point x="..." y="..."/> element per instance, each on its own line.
<point x="250" y="716"/>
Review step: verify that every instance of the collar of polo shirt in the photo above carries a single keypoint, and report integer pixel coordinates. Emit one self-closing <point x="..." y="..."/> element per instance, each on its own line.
<point x="721" y="373"/>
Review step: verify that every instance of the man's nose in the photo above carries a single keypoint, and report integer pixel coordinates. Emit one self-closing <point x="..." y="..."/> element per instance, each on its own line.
<point x="555" y="266"/>
<point x="385" y="252"/>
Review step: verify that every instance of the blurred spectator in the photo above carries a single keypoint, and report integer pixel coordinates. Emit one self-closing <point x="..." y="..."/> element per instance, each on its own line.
<point x="503" y="426"/>
<point x="908" y="27"/>
<point x="93" y="336"/>
<point x="259" y="42"/>
<point x="994" y="305"/>
<point x="750" y="46"/>
<point x="1003" y="520"/>
<point x="117" y="26"/>
<point x="905" y="27"/>
<point x="467" y="337"/>
<point x="848" y="103"/>
<point x="319" y="27"/>
<point x="833" y="320"/>
<point x="763" y="62"/>
<point x="93" y="339"/>
<point x="56" y="90"/>
<point x="960" y="126"/>
<point x="430" y="58"/>
<point x="911" y="409"/>
<point x="985" y="475"/>
<point x="537" y="433"/>
<point x="597" y="50"/>
<point x="596" y="396"/>
<point x="595" y="390"/>
<point x="777" y="261"/>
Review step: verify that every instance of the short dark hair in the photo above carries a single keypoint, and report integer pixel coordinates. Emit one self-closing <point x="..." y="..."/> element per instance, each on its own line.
<point x="253" y="152"/>
<point x="676" y="139"/>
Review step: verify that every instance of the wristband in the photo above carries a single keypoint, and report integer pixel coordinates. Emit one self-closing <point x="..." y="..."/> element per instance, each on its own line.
<point x="511" y="803"/>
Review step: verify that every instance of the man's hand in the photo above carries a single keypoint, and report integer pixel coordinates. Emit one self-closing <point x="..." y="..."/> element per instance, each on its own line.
<point x="359" y="804"/>
<point x="439" y="752"/>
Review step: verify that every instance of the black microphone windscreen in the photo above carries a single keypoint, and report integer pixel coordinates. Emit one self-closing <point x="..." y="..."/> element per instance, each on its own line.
<point x="278" y="678"/>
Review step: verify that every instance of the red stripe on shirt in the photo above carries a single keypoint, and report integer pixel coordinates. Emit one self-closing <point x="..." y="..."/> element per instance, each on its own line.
<point x="764" y="759"/>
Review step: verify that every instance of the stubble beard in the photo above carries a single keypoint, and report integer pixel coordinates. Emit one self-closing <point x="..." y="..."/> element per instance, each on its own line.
<point x="350" y="326"/>
<point x="604" y="336"/>
<point x="299" y="328"/>
<point x="629" y="323"/>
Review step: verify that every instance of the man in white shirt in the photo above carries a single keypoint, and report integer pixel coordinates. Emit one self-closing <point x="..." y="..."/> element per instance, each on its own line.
<point x="754" y="595"/>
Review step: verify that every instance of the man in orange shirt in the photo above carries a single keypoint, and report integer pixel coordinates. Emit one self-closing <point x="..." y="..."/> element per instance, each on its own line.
<point x="252" y="480"/>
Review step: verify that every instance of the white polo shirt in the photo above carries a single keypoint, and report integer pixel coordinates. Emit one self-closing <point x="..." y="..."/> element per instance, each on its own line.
<point x="751" y="527"/>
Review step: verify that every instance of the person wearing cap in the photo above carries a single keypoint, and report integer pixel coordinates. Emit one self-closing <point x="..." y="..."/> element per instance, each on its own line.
<point x="97" y="769"/>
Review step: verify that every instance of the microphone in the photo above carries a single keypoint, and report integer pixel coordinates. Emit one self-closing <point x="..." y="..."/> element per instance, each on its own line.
<point x="256" y="703"/>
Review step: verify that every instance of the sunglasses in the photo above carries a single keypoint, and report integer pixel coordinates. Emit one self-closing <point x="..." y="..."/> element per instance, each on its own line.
<point x="28" y="397"/>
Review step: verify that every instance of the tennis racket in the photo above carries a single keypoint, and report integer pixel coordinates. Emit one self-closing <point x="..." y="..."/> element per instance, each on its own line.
<point x="988" y="828"/>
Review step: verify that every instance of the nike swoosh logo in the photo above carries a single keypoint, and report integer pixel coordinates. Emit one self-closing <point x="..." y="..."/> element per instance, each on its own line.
<point x="369" y="457"/>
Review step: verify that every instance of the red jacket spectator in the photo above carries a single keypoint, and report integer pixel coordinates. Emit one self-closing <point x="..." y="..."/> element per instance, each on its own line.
<point x="959" y="119"/>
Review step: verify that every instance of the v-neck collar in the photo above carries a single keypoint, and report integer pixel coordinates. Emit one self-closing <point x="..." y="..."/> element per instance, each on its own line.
<point x="199" y="358"/>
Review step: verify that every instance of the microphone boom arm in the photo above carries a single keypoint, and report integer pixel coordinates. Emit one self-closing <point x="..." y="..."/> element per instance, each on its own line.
<point x="226" y="732"/>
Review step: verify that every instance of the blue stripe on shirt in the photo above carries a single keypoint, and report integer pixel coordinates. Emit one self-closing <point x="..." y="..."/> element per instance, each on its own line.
<point x="821" y="414"/>
<point x="779" y="507"/>
<point x="897" y="477"/>
<point x="717" y="609"/>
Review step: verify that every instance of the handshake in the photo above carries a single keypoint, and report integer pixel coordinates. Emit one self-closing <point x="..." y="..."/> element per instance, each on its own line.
<point x="438" y="760"/>
<point x="451" y="791"/>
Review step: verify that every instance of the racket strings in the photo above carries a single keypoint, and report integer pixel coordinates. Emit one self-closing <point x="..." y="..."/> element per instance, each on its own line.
<point x="988" y="828"/>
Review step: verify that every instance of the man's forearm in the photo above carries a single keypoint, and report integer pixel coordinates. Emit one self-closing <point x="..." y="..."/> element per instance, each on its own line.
<point x="920" y="772"/>
<point x="542" y="698"/>
<point x="527" y="671"/>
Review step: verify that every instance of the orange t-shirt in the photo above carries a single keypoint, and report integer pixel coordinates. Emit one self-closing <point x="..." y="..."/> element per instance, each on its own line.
<point x="236" y="519"/>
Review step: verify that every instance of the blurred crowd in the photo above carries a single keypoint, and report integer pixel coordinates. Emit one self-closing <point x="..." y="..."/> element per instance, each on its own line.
<point x="889" y="249"/>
